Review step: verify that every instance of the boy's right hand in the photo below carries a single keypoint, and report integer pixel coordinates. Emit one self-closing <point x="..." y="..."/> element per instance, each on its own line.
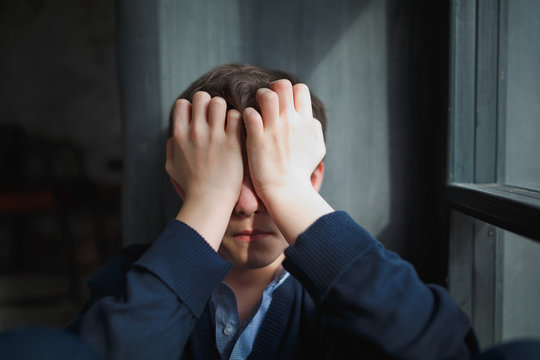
<point x="204" y="157"/>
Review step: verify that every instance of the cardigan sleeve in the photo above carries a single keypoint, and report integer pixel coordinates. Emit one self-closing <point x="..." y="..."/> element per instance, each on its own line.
<point x="369" y="295"/>
<point x="146" y="309"/>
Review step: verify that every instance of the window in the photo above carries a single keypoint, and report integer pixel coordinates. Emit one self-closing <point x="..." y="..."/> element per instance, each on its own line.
<point x="493" y="183"/>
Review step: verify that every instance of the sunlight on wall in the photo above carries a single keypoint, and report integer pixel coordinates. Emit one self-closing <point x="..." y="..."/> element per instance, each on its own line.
<point x="353" y="82"/>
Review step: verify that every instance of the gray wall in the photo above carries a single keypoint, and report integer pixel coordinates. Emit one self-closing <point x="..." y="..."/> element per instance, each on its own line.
<point x="338" y="50"/>
<point x="359" y="57"/>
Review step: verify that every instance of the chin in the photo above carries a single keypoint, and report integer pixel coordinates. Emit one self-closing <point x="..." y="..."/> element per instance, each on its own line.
<point x="258" y="263"/>
<point x="252" y="258"/>
<point x="255" y="255"/>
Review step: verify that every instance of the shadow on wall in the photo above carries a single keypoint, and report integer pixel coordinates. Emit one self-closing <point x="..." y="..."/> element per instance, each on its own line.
<point x="417" y="74"/>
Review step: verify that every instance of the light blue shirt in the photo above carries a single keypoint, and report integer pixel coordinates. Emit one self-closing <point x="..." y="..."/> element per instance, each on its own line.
<point x="235" y="340"/>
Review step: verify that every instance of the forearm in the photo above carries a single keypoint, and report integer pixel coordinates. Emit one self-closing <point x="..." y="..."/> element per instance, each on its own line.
<point x="294" y="210"/>
<point x="149" y="312"/>
<point x="208" y="216"/>
<point x="135" y="326"/>
<point x="370" y="293"/>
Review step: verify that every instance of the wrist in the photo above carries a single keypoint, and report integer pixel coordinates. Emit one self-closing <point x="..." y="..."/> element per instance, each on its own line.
<point x="289" y="192"/>
<point x="294" y="208"/>
<point x="224" y="195"/>
<point x="211" y="197"/>
<point x="208" y="215"/>
<point x="280" y="193"/>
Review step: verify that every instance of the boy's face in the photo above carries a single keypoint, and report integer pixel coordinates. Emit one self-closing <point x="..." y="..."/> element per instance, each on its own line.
<point x="251" y="240"/>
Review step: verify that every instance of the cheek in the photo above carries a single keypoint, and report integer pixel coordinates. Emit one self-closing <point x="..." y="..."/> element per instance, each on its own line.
<point x="229" y="250"/>
<point x="238" y="252"/>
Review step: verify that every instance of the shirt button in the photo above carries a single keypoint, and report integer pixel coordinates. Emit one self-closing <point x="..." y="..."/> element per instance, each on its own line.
<point x="228" y="330"/>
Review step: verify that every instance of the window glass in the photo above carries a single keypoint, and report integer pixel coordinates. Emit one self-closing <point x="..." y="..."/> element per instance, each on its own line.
<point x="522" y="131"/>
<point x="520" y="287"/>
<point x="494" y="275"/>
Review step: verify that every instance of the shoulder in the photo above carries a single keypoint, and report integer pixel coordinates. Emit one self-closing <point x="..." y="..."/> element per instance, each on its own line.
<point x="111" y="277"/>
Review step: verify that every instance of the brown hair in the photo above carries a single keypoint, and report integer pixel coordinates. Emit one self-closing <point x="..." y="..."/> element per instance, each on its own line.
<point x="238" y="83"/>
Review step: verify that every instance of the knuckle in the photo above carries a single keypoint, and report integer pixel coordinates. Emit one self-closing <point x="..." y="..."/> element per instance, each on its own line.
<point x="180" y="104"/>
<point x="177" y="133"/>
<point x="301" y="88"/>
<point x="283" y="84"/>
<point x="218" y="101"/>
<point x="250" y="114"/>
<point x="234" y="115"/>
<point x="201" y="96"/>
<point x="198" y="134"/>
<point x="267" y="95"/>
<point x="194" y="132"/>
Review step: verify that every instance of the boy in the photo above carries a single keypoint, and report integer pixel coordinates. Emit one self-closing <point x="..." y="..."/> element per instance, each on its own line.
<point x="257" y="264"/>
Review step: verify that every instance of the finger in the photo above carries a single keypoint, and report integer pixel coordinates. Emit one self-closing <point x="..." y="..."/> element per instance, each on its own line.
<point x="269" y="104"/>
<point x="318" y="129"/>
<point x="253" y="122"/>
<point x="217" y="110"/>
<point x="199" y="112"/>
<point x="169" y="159"/>
<point x="319" y="136"/>
<point x="302" y="100"/>
<point x="234" y="123"/>
<point x="283" y="88"/>
<point x="181" y="116"/>
<point x="319" y="133"/>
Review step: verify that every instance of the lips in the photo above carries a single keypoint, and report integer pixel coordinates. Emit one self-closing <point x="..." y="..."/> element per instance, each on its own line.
<point x="251" y="235"/>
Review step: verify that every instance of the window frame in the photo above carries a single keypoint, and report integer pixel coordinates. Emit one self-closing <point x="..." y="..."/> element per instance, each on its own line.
<point x="476" y="116"/>
<point x="479" y="202"/>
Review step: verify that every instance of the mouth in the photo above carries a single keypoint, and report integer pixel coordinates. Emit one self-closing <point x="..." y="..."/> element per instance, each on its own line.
<point x="251" y="235"/>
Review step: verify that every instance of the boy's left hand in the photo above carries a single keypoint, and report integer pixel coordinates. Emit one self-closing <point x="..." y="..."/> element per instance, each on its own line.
<point x="284" y="142"/>
<point x="284" y="145"/>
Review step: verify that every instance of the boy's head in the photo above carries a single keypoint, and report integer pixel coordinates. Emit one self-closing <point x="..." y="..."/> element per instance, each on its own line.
<point x="238" y="84"/>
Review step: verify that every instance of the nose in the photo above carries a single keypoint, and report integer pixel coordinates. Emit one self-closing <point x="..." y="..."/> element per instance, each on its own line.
<point x="248" y="202"/>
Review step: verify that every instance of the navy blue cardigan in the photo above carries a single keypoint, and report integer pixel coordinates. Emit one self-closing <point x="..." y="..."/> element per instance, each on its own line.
<point x="348" y="298"/>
